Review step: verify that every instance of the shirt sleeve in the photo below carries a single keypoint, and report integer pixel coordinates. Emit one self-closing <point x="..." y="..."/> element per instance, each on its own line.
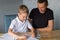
<point x="12" y="24"/>
<point x="31" y="14"/>
<point x="51" y="16"/>
<point x="29" y="25"/>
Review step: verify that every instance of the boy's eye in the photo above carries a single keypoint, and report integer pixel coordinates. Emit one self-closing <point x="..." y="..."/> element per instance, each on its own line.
<point x="24" y="17"/>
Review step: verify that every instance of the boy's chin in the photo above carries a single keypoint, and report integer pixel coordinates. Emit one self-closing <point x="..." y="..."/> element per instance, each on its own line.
<point x="23" y="20"/>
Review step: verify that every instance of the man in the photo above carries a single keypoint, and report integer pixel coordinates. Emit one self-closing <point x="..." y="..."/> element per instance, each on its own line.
<point x="42" y="17"/>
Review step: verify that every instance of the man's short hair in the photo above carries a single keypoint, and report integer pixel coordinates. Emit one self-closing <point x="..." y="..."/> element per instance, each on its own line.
<point x="41" y="1"/>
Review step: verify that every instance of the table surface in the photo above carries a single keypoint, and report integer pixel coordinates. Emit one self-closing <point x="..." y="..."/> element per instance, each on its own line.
<point x="54" y="35"/>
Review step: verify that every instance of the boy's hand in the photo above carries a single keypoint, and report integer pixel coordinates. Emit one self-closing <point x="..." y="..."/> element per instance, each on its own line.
<point x="21" y="37"/>
<point x="33" y="35"/>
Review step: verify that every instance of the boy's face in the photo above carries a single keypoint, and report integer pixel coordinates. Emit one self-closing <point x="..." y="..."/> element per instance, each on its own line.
<point x="22" y="15"/>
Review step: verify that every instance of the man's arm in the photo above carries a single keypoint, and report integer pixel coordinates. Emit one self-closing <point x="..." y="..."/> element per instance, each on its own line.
<point x="49" y="28"/>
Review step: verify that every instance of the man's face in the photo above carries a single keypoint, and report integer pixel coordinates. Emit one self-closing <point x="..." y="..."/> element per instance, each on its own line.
<point x="22" y="15"/>
<point x="42" y="7"/>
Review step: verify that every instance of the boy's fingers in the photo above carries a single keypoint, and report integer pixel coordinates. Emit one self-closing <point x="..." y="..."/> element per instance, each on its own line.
<point x="33" y="35"/>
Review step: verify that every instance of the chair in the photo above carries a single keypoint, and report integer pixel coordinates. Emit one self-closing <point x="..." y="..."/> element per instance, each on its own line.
<point x="8" y="19"/>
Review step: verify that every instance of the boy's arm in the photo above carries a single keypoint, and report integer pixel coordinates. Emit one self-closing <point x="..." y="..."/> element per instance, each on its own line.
<point x="11" y="33"/>
<point x="15" y="35"/>
<point x="11" y="28"/>
<point x="31" y="29"/>
<point x="32" y="32"/>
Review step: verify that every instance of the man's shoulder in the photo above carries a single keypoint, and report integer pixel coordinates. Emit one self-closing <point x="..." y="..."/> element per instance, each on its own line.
<point x="50" y="10"/>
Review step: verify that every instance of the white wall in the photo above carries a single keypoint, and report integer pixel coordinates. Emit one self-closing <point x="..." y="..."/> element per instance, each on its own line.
<point x="30" y="3"/>
<point x="53" y="4"/>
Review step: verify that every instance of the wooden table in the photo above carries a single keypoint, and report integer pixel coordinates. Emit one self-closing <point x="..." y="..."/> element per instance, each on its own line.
<point x="1" y="34"/>
<point x="54" y="35"/>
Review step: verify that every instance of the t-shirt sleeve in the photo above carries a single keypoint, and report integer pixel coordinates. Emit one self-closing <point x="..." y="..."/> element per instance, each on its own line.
<point x="29" y="25"/>
<point x="31" y="14"/>
<point x="12" y="24"/>
<point x="51" y="16"/>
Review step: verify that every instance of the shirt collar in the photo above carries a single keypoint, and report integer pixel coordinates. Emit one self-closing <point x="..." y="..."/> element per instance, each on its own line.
<point x="19" y="20"/>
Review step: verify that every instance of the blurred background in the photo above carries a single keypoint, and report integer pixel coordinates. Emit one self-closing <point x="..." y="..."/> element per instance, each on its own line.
<point x="10" y="7"/>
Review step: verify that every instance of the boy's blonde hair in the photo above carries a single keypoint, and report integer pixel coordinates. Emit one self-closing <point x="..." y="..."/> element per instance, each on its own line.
<point x="24" y="8"/>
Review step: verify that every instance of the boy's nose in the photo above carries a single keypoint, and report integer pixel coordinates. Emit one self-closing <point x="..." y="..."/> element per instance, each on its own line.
<point x="24" y="18"/>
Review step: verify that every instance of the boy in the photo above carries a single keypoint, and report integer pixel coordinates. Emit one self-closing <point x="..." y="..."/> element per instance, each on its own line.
<point x="20" y="24"/>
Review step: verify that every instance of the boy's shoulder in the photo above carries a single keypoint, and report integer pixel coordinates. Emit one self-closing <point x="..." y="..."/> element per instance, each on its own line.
<point x="14" y="20"/>
<point x="27" y="20"/>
